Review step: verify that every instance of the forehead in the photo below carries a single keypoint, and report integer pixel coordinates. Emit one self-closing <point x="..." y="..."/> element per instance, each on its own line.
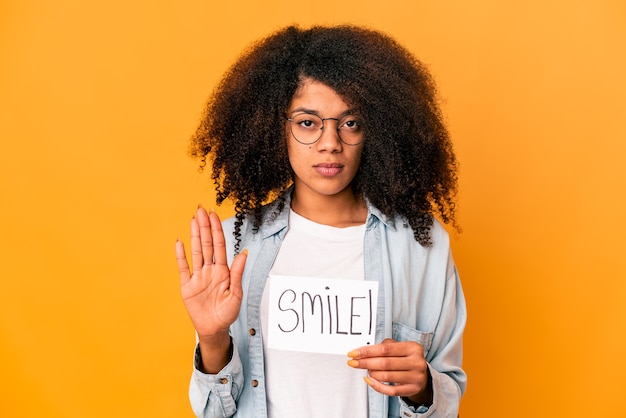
<point x="316" y="96"/>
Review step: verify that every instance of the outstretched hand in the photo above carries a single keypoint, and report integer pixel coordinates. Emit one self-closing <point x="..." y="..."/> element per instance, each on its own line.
<point x="212" y="293"/>
<point x="395" y="369"/>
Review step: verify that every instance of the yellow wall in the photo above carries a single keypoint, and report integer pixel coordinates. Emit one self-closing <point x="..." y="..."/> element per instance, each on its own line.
<point x="98" y="99"/>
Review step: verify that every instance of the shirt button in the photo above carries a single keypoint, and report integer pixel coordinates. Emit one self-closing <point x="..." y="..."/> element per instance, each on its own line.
<point x="255" y="383"/>
<point x="223" y="380"/>
<point x="252" y="331"/>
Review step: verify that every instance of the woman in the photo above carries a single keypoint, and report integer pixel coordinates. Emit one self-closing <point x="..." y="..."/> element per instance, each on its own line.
<point x="330" y="142"/>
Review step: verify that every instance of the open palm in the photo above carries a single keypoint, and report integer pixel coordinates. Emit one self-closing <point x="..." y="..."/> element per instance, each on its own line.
<point x="212" y="292"/>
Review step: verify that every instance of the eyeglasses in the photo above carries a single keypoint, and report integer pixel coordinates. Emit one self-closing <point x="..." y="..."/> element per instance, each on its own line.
<point x="308" y="128"/>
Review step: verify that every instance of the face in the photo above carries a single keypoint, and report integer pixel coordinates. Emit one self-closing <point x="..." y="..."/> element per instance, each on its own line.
<point x="327" y="167"/>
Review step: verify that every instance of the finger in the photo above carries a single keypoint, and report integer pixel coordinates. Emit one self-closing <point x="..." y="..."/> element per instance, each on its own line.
<point x="389" y="356"/>
<point x="219" y="242"/>
<point x="388" y="364"/>
<point x="388" y="348"/>
<point x="196" y="247"/>
<point x="181" y="261"/>
<point x="206" y="238"/>
<point x="376" y="350"/>
<point x="236" y="273"/>
<point x="391" y="390"/>
<point x="417" y="375"/>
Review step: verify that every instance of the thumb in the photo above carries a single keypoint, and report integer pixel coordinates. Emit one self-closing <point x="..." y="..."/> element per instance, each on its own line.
<point x="236" y="272"/>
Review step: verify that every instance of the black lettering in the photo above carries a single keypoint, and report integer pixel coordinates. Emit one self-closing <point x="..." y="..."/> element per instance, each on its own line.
<point x="312" y="303"/>
<point x="371" y="313"/>
<point x="337" y="315"/>
<point x="352" y="315"/>
<point x="330" y="315"/>
<point x="288" y="309"/>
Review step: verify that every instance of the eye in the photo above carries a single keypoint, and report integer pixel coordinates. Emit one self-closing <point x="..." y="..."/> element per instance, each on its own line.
<point x="306" y="121"/>
<point x="350" y="124"/>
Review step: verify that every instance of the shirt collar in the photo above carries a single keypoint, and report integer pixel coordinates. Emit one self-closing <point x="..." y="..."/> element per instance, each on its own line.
<point x="278" y="223"/>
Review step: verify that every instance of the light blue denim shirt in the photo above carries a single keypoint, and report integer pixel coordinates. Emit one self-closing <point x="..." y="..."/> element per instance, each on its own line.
<point x="420" y="299"/>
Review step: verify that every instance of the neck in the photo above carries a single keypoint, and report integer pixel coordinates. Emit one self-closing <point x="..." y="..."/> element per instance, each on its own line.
<point x="342" y="210"/>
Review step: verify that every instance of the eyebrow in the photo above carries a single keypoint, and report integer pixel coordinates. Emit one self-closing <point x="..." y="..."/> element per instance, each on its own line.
<point x="315" y="112"/>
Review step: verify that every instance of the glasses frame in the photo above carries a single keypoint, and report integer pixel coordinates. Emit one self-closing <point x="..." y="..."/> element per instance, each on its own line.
<point x="321" y="129"/>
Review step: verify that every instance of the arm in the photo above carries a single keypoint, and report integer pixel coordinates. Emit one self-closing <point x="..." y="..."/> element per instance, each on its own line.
<point x="400" y="363"/>
<point x="436" y="381"/>
<point x="216" y="395"/>
<point x="445" y="356"/>
<point x="212" y="295"/>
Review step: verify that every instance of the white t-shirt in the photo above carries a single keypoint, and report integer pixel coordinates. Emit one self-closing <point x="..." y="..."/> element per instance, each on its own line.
<point x="314" y="385"/>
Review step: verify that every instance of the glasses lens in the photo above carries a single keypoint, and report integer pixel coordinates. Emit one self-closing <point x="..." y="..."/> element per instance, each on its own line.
<point x="307" y="128"/>
<point x="350" y="130"/>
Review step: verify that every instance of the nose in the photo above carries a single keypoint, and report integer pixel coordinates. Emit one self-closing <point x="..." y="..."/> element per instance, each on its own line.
<point x="330" y="141"/>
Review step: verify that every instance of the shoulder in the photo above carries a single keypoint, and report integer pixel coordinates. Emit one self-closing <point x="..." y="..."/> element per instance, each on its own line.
<point x="432" y="263"/>
<point x="399" y="227"/>
<point x="439" y="234"/>
<point x="274" y="218"/>
<point x="402" y="247"/>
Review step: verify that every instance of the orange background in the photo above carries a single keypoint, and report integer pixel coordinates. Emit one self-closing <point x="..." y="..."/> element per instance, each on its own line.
<point x="98" y="100"/>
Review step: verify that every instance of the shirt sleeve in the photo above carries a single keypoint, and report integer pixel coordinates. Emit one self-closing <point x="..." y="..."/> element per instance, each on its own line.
<point x="446" y="355"/>
<point x="215" y="395"/>
<point x="409" y="411"/>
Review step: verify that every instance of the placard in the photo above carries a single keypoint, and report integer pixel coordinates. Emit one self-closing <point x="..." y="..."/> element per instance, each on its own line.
<point x="332" y="316"/>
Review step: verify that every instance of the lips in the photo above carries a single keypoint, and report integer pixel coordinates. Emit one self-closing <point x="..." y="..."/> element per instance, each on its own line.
<point x="328" y="169"/>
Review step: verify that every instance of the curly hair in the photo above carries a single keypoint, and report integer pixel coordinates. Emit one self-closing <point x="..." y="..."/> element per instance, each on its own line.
<point x="408" y="166"/>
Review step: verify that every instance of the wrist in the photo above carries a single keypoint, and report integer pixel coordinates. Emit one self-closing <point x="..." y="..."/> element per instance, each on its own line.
<point x="215" y="339"/>
<point x="215" y="352"/>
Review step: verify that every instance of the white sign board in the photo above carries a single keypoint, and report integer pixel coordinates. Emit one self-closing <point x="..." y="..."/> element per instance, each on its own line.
<point x="316" y="315"/>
